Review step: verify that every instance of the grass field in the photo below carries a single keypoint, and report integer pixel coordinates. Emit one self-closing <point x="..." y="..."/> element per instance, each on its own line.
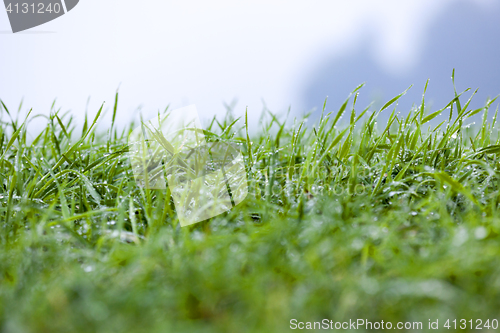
<point x="345" y="219"/>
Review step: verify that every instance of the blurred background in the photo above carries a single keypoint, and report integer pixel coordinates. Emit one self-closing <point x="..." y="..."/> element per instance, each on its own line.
<point x="257" y="54"/>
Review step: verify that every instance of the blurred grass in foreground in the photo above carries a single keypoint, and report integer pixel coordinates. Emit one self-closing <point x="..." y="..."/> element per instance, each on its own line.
<point x="343" y="221"/>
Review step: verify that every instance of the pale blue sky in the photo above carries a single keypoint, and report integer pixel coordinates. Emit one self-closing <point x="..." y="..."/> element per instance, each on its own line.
<point x="206" y="53"/>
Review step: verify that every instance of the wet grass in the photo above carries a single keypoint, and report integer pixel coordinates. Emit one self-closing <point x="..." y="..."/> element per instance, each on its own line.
<point x="345" y="219"/>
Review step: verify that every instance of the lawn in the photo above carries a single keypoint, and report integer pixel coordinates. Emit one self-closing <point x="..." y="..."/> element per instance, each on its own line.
<point x="345" y="219"/>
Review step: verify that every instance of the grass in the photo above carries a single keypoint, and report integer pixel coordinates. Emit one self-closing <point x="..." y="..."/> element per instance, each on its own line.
<point x="345" y="219"/>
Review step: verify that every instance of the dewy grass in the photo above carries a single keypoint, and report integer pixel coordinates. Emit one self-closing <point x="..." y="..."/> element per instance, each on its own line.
<point x="345" y="219"/>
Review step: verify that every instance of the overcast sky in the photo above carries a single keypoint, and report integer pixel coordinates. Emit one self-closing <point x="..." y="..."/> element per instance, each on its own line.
<point x="204" y="52"/>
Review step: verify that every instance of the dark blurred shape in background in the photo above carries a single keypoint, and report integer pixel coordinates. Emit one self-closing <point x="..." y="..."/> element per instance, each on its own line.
<point x="465" y="37"/>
